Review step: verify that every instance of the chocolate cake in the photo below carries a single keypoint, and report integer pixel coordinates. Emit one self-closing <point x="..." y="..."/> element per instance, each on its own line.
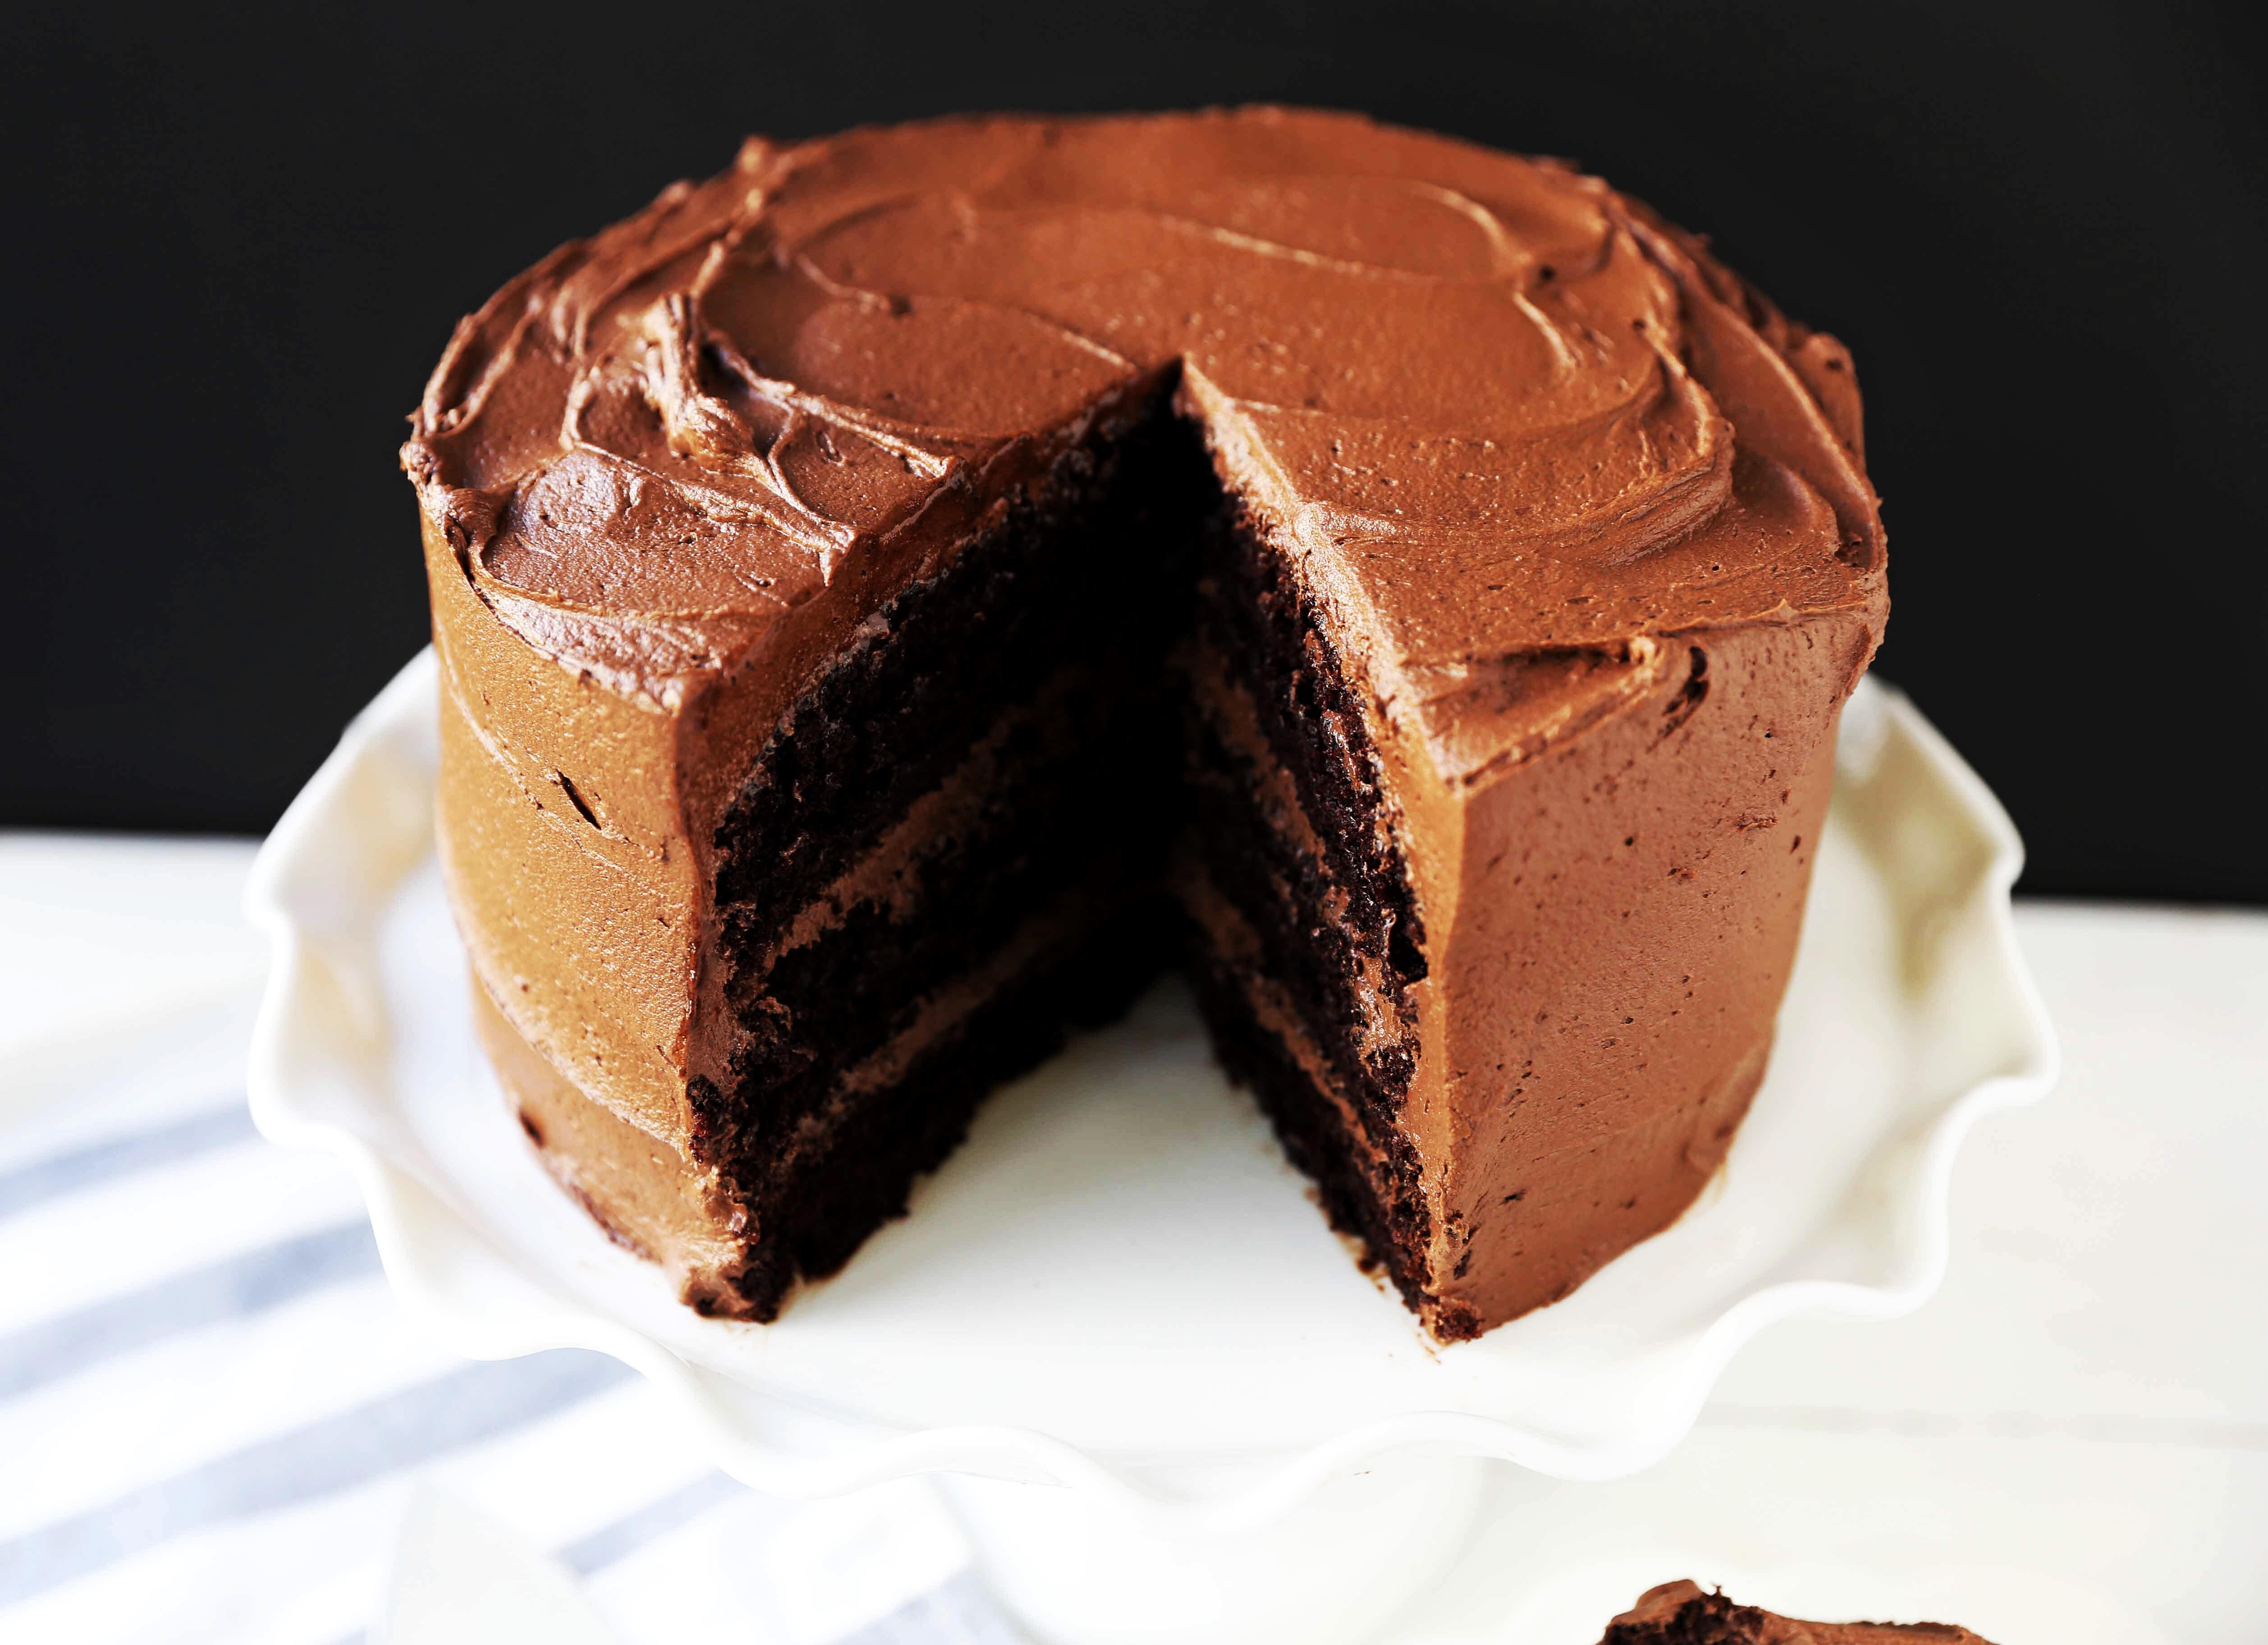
<point x="1681" y="1613"/>
<point x="897" y="595"/>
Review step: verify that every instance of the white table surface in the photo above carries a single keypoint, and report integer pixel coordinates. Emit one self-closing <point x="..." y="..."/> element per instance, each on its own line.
<point x="2069" y="1443"/>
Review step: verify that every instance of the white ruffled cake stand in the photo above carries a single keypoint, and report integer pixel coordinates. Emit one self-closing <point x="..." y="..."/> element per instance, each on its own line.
<point x="1160" y="1398"/>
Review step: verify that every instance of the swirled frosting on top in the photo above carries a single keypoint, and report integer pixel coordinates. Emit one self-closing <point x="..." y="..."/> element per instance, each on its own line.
<point x="1521" y="426"/>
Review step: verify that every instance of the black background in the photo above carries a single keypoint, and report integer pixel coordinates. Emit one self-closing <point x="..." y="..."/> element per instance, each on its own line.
<point x="238" y="248"/>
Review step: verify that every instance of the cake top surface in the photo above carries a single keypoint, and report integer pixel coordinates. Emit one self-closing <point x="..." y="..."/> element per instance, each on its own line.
<point x="1519" y="420"/>
<point x="1685" y="1613"/>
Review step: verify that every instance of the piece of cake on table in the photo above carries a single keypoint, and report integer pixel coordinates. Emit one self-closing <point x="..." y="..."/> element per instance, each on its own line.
<point x="1682" y="1613"/>
<point x="895" y="597"/>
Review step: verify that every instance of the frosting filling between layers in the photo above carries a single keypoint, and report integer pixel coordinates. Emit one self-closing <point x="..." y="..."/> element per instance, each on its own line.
<point x="809" y="1199"/>
<point x="1280" y="984"/>
<point x="1008" y="830"/>
<point x="1263" y="1041"/>
<point x="1247" y="806"/>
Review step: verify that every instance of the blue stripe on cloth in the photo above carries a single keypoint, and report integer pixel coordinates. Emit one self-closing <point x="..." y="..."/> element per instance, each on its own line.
<point x="958" y="1611"/>
<point x="58" y="1348"/>
<point x="627" y="1535"/>
<point x="336" y="1454"/>
<point x="588" y="1555"/>
<point x="27" y="1185"/>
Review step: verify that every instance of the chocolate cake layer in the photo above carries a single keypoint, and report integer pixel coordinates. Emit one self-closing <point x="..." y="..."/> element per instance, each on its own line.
<point x="817" y="1190"/>
<point x="1259" y="1035"/>
<point x="1524" y="557"/>
<point x="1682" y="1613"/>
<point x="1281" y="960"/>
<point x="1012" y="831"/>
<point x="1032" y="597"/>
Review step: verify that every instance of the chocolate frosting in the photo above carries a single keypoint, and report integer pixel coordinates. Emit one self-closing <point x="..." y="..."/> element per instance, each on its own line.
<point x="1532" y="425"/>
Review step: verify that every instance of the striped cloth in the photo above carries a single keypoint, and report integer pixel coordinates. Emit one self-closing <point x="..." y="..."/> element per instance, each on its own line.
<point x="213" y="1416"/>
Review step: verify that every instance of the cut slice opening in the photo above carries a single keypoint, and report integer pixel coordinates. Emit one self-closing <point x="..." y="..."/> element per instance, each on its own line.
<point x="1031" y="784"/>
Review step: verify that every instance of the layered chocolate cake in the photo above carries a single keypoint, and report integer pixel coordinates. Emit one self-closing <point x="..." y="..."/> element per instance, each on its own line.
<point x="896" y="596"/>
<point x="1682" y="1613"/>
